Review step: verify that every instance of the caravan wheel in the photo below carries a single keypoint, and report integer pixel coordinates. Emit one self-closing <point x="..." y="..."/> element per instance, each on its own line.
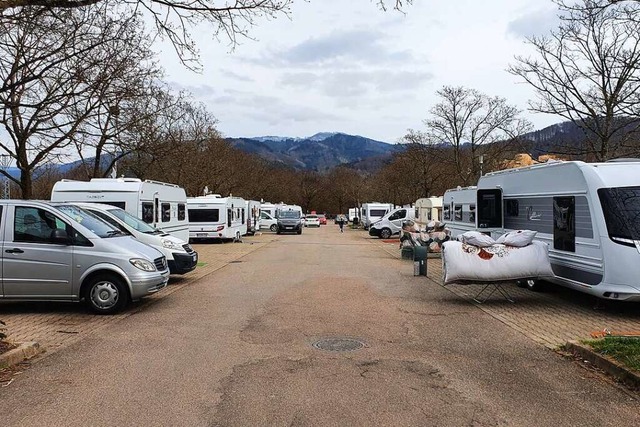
<point x="531" y="284"/>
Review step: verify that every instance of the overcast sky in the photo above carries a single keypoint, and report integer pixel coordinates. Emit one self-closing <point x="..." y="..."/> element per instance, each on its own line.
<point x="345" y="66"/>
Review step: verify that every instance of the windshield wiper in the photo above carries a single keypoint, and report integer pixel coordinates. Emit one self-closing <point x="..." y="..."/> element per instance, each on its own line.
<point x="114" y="233"/>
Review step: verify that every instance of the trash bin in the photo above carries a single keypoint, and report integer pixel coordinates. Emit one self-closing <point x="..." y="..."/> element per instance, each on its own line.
<point x="420" y="261"/>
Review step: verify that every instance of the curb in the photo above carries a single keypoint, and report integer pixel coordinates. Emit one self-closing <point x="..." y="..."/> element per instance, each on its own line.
<point x="25" y="351"/>
<point x="611" y="367"/>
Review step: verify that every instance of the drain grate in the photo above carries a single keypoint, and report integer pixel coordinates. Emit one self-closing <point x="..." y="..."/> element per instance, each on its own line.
<point x="338" y="344"/>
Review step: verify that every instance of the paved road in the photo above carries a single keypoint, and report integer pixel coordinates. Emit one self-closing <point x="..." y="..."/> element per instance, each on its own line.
<point x="235" y="348"/>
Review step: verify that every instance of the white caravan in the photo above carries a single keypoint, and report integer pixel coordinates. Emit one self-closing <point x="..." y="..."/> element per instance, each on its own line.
<point x="269" y="208"/>
<point x="374" y="211"/>
<point x="159" y="204"/>
<point x="586" y="212"/>
<point x="428" y="209"/>
<point x="459" y="209"/>
<point x="391" y="223"/>
<point x="253" y="216"/>
<point x="215" y="217"/>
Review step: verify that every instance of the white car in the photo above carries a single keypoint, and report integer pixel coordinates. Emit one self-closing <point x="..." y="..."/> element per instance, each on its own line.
<point x="267" y="221"/>
<point x="312" y="221"/>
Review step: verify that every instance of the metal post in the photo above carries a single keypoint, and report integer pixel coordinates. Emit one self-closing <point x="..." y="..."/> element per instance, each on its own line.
<point x="481" y="162"/>
<point x="5" y="162"/>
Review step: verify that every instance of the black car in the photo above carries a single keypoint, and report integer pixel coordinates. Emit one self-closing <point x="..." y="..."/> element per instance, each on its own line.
<point x="289" y="222"/>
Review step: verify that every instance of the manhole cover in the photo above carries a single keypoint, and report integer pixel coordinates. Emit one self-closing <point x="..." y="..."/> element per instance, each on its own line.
<point x="338" y="344"/>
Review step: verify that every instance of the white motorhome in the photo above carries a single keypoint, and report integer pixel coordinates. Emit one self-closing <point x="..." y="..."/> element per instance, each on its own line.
<point x="253" y="216"/>
<point x="215" y="217"/>
<point x="374" y="211"/>
<point x="391" y="223"/>
<point x="428" y="209"/>
<point x="586" y="212"/>
<point x="159" y="204"/>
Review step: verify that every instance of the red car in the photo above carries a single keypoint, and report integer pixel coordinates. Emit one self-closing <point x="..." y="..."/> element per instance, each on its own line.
<point x="323" y="219"/>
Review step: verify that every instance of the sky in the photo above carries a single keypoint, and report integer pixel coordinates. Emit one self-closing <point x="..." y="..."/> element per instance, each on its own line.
<point x="345" y="66"/>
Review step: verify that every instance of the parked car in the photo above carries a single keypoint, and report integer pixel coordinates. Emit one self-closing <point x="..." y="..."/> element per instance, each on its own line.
<point x="267" y="221"/>
<point x="65" y="253"/>
<point x="180" y="255"/>
<point x="289" y="221"/>
<point x="312" y="221"/>
<point x="322" y="219"/>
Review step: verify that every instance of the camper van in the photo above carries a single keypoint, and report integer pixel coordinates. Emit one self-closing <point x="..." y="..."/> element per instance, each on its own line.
<point x="216" y="217"/>
<point x="161" y="205"/>
<point x="586" y="212"/>
<point x="253" y="216"/>
<point x="391" y="223"/>
<point x="428" y="209"/>
<point x="374" y="211"/>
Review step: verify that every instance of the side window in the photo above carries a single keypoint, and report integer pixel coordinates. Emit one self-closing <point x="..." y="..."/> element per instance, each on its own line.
<point x="166" y="212"/>
<point x="511" y="207"/>
<point x="398" y="215"/>
<point x="446" y="213"/>
<point x="147" y="212"/>
<point x="229" y="217"/>
<point x="243" y="215"/>
<point x="35" y="225"/>
<point x="457" y="213"/>
<point x="564" y="223"/>
<point x="182" y="212"/>
<point x="156" y="210"/>
<point x="472" y="213"/>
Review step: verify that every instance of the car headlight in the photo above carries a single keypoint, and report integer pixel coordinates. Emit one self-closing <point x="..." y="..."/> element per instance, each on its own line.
<point x="170" y="244"/>
<point x="142" y="264"/>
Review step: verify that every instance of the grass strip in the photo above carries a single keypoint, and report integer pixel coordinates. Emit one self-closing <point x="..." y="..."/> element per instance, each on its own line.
<point x="624" y="350"/>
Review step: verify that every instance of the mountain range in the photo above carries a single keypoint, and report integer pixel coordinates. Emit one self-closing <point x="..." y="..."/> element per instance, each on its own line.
<point x="319" y="152"/>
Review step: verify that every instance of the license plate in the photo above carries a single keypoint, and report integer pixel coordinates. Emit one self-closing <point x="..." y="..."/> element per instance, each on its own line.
<point x="201" y="234"/>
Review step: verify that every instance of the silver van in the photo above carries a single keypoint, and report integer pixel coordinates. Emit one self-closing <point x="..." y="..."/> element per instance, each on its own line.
<point x="64" y="253"/>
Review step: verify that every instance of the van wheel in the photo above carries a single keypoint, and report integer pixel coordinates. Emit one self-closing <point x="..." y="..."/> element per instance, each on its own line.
<point x="106" y="294"/>
<point x="273" y="227"/>
<point x="385" y="233"/>
<point x="531" y="284"/>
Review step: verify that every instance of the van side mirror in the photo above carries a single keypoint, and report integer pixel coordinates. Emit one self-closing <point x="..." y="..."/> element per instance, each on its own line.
<point x="59" y="236"/>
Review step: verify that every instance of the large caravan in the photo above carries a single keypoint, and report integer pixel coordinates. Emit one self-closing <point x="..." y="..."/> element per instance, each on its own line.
<point x="161" y="205"/>
<point x="586" y="212"/>
<point x="374" y="211"/>
<point x="428" y="209"/>
<point x="215" y="217"/>
<point x="459" y="209"/>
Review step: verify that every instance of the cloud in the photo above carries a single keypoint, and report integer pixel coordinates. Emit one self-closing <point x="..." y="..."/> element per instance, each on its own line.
<point x="354" y="46"/>
<point x="349" y="83"/>
<point x="535" y="23"/>
<point x="236" y="76"/>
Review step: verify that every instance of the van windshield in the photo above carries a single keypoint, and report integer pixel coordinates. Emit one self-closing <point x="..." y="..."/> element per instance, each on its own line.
<point x="91" y="221"/>
<point x="134" y="222"/>
<point x="289" y="214"/>
<point x="621" y="208"/>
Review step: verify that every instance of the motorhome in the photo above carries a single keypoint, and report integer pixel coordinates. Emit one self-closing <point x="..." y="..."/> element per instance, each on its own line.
<point x="253" y="216"/>
<point x="374" y="211"/>
<point x="391" y="223"/>
<point x="586" y="212"/>
<point x="428" y="209"/>
<point x="159" y="204"/>
<point x="216" y="217"/>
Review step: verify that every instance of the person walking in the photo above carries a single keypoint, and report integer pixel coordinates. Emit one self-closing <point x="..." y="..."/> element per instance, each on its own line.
<point x="340" y="220"/>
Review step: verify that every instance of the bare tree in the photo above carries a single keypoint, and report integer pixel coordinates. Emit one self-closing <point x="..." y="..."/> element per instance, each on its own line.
<point x="469" y="122"/>
<point x="588" y="71"/>
<point x="38" y="100"/>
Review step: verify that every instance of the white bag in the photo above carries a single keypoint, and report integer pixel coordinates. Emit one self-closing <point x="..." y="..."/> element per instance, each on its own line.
<point x="476" y="238"/>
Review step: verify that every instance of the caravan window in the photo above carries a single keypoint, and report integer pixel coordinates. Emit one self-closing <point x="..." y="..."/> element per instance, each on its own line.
<point x="243" y="215"/>
<point x="472" y="213"/>
<point x="229" y="217"/>
<point x="166" y="212"/>
<point x="446" y="214"/>
<point x="147" y="212"/>
<point x="377" y="212"/>
<point x="564" y="223"/>
<point x="511" y="207"/>
<point x="489" y="208"/>
<point x="457" y="213"/>
<point x="182" y="212"/>
<point x="204" y="215"/>
<point x="621" y="208"/>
